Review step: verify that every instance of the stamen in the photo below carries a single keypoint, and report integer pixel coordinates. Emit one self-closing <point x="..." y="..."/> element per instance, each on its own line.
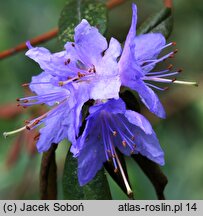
<point x="157" y="73"/>
<point x="157" y="79"/>
<point x="156" y="87"/>
<point x="166" y="75"/>
<point x="185" y="83"/>
<point x="155" y="61"/>
<point x="5" y="134"/>
<point x="62" y="83"/>
<point x="129" y="190"/>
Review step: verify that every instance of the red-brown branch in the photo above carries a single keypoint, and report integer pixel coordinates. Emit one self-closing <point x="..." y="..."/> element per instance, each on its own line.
<point x="37" y="40"/>
<point x="48" y="35"/>
<point x="168" y="3"/>
<point x="113" y="3"/>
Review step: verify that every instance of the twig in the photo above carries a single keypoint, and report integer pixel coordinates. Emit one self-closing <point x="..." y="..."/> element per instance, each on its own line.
<point x="37" y="40"/>
<point x="113" y="3"/>
<point x="48" y="35"/>
<point x="168" y="3"/>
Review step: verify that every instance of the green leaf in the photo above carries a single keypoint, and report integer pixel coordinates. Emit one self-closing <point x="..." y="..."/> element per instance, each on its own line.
<point x="97" y="189"/>
<point x="71" y="187"/>
<point x="161" y="22"/>
<point x="94" y="11"/>
<point x="154" y="173"/>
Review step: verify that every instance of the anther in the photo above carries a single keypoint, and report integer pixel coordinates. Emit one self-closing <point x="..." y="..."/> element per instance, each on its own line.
<point x="67" y="62"/>
<point x="25" y="84"/>
<point x="124" y="143"/>
<point x="36" y="138"/>
<point x="132" y="138"/>
<point x="36" y="122"/>
<point x="27" y="122"/>
<point x="170" y="67"/>
<point x="166" y="88"/>
<point x="25" y="101"/>
<point x="116" y="170"/>
<point x="114" y="133"/>
<point x="174" y="43"/>
<point x="132" y="151"/>
<point x="180" y="70"/>
<point x="175" y="51"/>
<point x="18" y="99"/>
<point x="171" y="56"/>
<point x="60" y="83"/>
<point x="173" y="80"/>
<point x="27" y="127"/>
<point x="80" y="75"/>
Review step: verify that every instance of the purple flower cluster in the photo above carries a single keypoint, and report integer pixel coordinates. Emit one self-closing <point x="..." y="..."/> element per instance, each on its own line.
<point x="91" y="69"/>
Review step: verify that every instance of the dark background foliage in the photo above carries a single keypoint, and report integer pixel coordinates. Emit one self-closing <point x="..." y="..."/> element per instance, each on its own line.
<point x="180" y="135"/>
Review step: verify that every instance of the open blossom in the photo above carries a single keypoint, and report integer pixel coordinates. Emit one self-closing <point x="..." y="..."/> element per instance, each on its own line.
<point x="86" y="69"/>
<point x="139" y="57"/>
<point x="110" y="126"/>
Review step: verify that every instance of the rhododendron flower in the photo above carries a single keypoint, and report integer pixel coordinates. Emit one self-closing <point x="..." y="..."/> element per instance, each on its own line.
<point x="86" y="69"/>
<point x="110" y="126"/>
<point x="139" y="57"/>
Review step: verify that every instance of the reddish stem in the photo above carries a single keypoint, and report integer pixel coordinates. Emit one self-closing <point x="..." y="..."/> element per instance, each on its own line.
<point x="113" y="3"/>
<point x="168" y="3"/>
<point x="37" y="40"/>
<point x="48" y="35"/>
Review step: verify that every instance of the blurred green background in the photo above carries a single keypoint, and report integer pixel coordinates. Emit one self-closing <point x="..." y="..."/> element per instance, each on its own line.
<point x="180" y="134"/>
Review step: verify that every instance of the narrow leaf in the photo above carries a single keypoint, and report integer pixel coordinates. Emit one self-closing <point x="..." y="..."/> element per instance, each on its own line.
<point x="161" y="22"/>
<point x="154" y="173"/>
<point x="97" y="189"/>
<point x="71" y="187"/>
<point x="48" y="175"/>
<point x="94" y="11"/>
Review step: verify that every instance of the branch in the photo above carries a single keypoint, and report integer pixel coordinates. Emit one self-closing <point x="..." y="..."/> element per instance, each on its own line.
<point x="168" y="3"/>
<point x="48" y="35"/>
<point x="37" y="40"/>
<point x="113" y="3"/>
